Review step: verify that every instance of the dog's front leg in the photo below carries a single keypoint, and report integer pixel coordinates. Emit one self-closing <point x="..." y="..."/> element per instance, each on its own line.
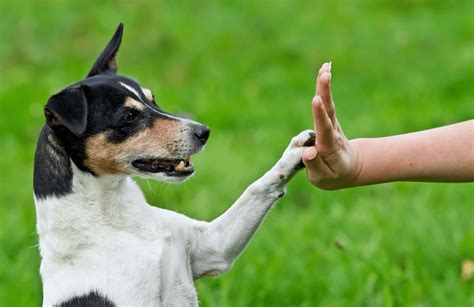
<point x="218" y="243"/>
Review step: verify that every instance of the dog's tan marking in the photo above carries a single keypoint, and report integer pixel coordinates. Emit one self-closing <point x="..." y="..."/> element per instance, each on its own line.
<point x="147" y="93"/>
<point x="104" y="157"/>
<point x="132" y="103"/>
<point x="112" y="64"/>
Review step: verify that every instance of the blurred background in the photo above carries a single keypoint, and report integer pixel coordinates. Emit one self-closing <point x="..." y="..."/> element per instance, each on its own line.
<point x="247" y="69"/>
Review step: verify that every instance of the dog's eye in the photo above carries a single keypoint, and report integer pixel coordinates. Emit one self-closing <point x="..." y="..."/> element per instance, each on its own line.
<point x="131" y="116"/>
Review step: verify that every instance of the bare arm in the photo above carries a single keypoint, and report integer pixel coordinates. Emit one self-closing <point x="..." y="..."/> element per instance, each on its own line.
<point x="444" y="154"/>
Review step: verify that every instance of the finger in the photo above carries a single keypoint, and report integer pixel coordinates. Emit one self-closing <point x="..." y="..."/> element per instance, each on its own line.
<point x="309" y="153"/>
<point x="323" y="68"/>
<point x="326" y="67"/>
<point x="322" y="125"/>
<point x="324" y="91"/>
<point x="315" y="165"/>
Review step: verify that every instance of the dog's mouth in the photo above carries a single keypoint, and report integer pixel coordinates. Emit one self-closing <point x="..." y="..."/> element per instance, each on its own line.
<point x="171" y="167"/>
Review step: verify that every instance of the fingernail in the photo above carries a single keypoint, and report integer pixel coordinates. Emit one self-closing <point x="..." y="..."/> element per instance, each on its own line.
<point x="330" y="63"/>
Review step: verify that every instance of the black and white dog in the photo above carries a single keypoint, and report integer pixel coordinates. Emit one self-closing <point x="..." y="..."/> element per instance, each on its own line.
<point x="101" y="243"/>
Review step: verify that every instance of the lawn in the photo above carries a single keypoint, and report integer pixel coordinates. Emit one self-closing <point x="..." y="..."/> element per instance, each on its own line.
<point x="247" y="70"/>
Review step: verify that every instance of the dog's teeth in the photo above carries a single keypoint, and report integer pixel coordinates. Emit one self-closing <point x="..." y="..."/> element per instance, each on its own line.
<point x="181" y="166"/>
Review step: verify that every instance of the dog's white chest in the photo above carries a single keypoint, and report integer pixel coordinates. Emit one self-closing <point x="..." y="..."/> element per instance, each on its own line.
<point x="134" y="258"/>
<point x="128" y="270"/>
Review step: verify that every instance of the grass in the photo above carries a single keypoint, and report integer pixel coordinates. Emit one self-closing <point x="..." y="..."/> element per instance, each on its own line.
<point x="247" y="70"/>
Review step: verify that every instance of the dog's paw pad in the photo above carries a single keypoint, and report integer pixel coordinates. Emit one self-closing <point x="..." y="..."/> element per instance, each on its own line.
<point x="310" y="141"/>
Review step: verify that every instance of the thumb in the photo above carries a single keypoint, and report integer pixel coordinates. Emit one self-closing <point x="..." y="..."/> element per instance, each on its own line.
<point x="309" y="157"/>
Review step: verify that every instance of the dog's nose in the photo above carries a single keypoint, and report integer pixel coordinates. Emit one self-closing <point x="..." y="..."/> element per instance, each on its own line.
<point x="202" y="133"/>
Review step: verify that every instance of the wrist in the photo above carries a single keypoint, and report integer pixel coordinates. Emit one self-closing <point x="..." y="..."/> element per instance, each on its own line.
<point x="357" y="163"/>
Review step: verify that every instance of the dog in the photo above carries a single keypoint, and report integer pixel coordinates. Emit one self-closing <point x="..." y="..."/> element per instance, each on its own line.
<point x="101" y="244"/>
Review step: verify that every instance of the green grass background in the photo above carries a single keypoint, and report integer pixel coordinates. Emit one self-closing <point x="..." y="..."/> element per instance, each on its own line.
<point x="247" y="70"/>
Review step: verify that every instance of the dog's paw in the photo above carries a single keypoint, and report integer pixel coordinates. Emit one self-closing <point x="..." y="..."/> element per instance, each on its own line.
<point x="303" y="139"/>
<point x="291" y="162"/>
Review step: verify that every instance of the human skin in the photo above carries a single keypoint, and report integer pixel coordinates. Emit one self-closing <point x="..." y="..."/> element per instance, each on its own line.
<point x="444" y="154"/>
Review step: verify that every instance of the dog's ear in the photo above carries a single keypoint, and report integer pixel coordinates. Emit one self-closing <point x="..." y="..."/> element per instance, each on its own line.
<point x="68" y="108"/>
<point x="106" y="62"/>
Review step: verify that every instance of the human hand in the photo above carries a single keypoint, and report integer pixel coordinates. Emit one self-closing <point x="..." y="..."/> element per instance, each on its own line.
<point x="333" y="162"/>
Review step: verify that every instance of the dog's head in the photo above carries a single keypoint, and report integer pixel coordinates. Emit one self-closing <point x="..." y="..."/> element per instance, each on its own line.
<point x="109" y="124"/>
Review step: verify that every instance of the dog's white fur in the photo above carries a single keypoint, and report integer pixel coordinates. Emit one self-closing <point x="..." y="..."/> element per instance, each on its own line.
<point x="104" y="237"/>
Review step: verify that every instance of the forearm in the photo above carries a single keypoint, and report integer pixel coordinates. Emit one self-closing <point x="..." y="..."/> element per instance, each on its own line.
<point x="237" y="225"/>
<point x="221" y="241"/>
<point x="444" y="154"/>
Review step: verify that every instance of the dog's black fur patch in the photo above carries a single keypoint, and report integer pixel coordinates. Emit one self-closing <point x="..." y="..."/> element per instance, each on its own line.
<point x="52" y="172"/>
<point x="106" y="60"/>
<point x="93" y="299"/>
<point x="68" y="108"/>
